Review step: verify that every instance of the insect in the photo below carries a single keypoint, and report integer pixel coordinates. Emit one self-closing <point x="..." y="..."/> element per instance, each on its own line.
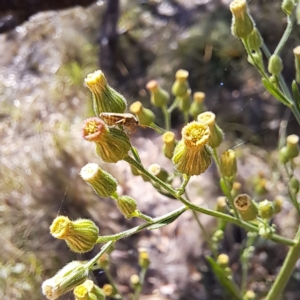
<point x="128" y="121"/>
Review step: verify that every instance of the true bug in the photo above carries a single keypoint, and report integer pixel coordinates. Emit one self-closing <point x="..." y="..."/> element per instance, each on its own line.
<point x="128" y="121"/>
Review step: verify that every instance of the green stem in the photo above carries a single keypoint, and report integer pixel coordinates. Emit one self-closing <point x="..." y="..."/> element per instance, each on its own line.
<point x="286" y="270"/>
<point x="173" y="105"/>
<point x="181" y="189"/>
<point x="241" y="223"/>
<point x="186" y="117"/>
<point x="104" y="249"/>
<point x="245" y="262"/>
<point x="206" y="237"/>
<point x="157" y="128"/>
<point x="286" y="34"/>
<point x="135" y="154"/>
<point x="140" y="286"/>
<point x="145" y="217"/>
<point x="167" y="118"/>
<point x="227" y="192"/>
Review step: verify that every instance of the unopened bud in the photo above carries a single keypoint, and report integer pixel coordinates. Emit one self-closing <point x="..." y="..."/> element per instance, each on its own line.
<point x="266" y="209"/>
<point x="159" y="97"/>
<point x="242" y="24"/>
<point x="112" y="144"/>
<point x="144" y="115"/>
<point x="228" y="164"/>
<point x="255" y="40"/>
<point x="256" y="59"/>
<point x="296" y="52"/>
<point x="144" y="260"/>
<point x="102" y="182"/>
<point x="275" y="65"/>
<point x="192" y="155"/>
<point x="216" y="133"/>
<point x="288" y="6"/>
<point x="108" y="290"/>
<point x="221" y="205"/>
<point x="249" y="295"/>
<point x="245" y="206"/>
<point x="185" y="102"/>
<point x="105" y="98"/>
<point x="292" y="146"/>
<point x="181" y="85"/>
<point x="134" y="281"/>
<point x="277" y="203"/>
<point x="80" y="235"/>
<point x="159" y="172"/>
<point x="236" y="187"/>
<point x="223" y="260"/>
<point x="127" y="206"/>
<point x="197" y="106"/>
<point x="169" y="144"/>
<point x="70" y="276"/>
<point x="294" y="185"/>
<point x="218" y="236"/>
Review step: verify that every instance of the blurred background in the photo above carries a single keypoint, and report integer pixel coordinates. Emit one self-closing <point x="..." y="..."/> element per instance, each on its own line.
<point x="47" y="49"/>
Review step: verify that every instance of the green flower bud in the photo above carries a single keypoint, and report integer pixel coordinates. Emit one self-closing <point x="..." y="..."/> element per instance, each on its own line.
<point x="260" y="184"/>
<point x="216" y="134"/>
<point x="159" y="97"/>
<point x="266" y="209"/>
<point x="277" y="203"/>
<point x="221" y="204"/>
<point x="294" y="185"/>
<point x="144" y="115"/>
<point x="181" y="85"/>
<point x="218" y="236"/>
<point x="144" y="260"/>
<point x="255" y="40"/>
<point x="283" y="156"/>
<point x="288" y="6"/>
<point x="192" y="155"/>
<point x="127" y="206"/>
<point x="242" y="23"/>
<point x="245" y="206"/>
<point x="134" y="281"/>
<point x="223" y="260"/>
<point x="256" y="59"/>
<point x="108" y="290"/>
<point x="159" y="172"/>
<point x="185" y="102"/>
<point x="249" y="295"/>
<point x="169" y="144"/>
<point x="296" y="52"/>
<point x="112" y="144"/>
<point x="80" y="235"/>
<point x="105" y="98"/>
<point x="228" y="164"/>
<point x="275" y="65"/>
<point x="236" y="187"/>
<point x="197" y="106"/>
<point x="65" y="280"/>
<point x="102" y="182"/>
<point x="292" y="146"/>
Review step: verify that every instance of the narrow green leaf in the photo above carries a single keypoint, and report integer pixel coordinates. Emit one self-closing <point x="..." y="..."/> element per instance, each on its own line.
<point x="276" y="93"/>
<point x="296" y="94"/>
<point x="165" y="223"/>
<point x="228" y="284"/>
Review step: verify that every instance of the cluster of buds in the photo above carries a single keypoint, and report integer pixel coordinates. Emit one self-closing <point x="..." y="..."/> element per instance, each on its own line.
<point x="291" y="150"/>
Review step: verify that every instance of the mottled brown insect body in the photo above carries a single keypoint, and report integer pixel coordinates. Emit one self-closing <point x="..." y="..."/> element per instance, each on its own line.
<point x="128" y="121"/>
